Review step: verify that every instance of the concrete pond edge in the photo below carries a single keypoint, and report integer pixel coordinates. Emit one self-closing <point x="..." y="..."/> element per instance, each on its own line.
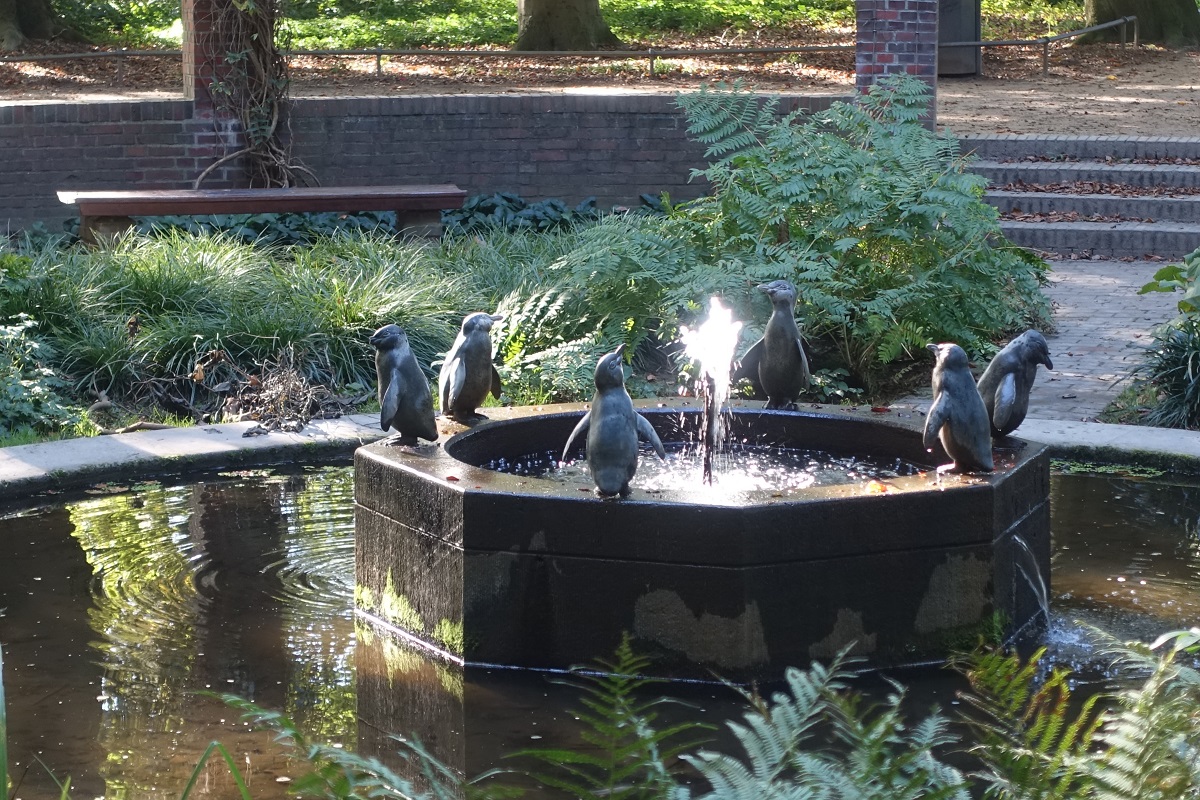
<point x="28" y="471"/>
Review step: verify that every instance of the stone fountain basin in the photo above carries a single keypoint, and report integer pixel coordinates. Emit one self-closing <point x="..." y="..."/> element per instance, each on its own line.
<point x="492" y="568"/>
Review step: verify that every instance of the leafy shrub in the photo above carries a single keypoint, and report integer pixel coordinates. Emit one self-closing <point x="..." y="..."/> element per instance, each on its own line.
<point x="1029" y="19"/>
<point x="510" y="212"/>
<point x="28" y="391"/>
<point x="869" y="213"/>
<point x="610" y="285"/>
<point x="1169" y="371"/>
<point x="126" y="21"/>
<point x="274" y="228"/>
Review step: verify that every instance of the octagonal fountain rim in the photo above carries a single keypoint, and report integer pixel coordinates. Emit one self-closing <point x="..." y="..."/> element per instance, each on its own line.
<point x="458" y="464"/>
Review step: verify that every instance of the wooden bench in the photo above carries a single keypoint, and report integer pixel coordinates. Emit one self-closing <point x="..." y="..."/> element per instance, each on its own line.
<point x="418" y="208"/>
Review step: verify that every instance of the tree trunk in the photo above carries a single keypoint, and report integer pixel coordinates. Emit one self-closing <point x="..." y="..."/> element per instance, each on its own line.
<point x="1171" y="22"/>
<point x="26" y="19"/>
<point x="561" y="25"/>
<point x="10" y="29"/>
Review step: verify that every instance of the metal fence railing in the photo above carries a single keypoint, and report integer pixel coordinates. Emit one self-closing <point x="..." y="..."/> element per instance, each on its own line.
<point x="651" y="55"/>
<point x="1046" y="41"/>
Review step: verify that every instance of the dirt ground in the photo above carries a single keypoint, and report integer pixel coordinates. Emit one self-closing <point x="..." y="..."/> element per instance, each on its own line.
<point x="1090" y="89"/>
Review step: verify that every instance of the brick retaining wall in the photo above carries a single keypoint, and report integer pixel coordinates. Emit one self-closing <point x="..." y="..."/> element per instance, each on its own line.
<point x="614" y="146"/>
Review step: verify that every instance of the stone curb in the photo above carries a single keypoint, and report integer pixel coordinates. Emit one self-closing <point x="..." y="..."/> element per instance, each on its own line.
<point x="76" y="463"/>
<point x="1159" y="209"/>
<point x="1169" y="240"/>
<point x="73" y="464"/>
<point x="1163" y="448"/>
<point x="1040" y="172"/>
<point x="1005" y="146"/>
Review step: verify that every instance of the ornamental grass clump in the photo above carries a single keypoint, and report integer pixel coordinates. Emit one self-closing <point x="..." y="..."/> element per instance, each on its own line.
<point x="145" y="311"/>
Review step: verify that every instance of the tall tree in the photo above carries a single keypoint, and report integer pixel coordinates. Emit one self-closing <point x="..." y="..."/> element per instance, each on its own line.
<point x="561" y="25"/>
<point x="25" y="19"/>
<point x="1173" y="22"/>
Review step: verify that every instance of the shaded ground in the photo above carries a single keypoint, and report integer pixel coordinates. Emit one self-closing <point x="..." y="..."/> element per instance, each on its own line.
<point x="1090" y="90"/>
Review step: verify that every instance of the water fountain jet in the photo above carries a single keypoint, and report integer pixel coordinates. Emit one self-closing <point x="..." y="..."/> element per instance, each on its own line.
<point x="712" y="346"/>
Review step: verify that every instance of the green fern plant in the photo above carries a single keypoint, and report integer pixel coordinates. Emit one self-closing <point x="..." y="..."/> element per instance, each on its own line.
<point x="336" y="774"/>
<point x="873" y="216"/>
<point x="817" y="740"/>
<point x="627" y="757"/>
<point x="1033" y="742"/>
<point x="1151" y="740"/>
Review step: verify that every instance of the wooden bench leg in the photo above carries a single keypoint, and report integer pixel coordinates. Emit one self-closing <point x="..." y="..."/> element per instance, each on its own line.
<point x="94" y="229"/>
<point x="426" y="224"/>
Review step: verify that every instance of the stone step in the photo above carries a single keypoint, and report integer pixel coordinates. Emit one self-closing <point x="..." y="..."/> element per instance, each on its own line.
<point x="1000" y="173"/>
<point x="1156" y="209"/>
<point x="1169" y="240"/>
<point x="1001" y="147"/>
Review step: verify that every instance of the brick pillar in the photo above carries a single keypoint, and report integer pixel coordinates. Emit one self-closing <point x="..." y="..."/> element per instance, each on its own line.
<point x="211" y="132"/>
<point x="896" y="36"/>
<point x="203" y="55"/>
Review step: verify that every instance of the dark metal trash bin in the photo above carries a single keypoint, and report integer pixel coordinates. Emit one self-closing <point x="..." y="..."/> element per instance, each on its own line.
<point x="959" y="21"/>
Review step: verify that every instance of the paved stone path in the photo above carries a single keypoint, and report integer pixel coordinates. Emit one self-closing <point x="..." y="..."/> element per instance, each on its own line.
<point x="1102" y="326"/>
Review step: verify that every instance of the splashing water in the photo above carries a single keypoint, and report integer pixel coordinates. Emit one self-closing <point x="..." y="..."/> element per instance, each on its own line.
<point x="712" y="345"/>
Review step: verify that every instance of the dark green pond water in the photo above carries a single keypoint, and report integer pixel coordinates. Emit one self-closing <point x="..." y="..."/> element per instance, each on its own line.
<point x="115" y="610"/>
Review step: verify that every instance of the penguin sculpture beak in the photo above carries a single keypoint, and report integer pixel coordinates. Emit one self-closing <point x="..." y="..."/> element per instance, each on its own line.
<point x="620" y="351"/>
<point x="931" y="347"/>
<point x="497" y="317"/>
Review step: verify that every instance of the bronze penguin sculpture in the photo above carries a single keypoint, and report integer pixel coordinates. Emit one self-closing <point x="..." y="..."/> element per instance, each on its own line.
<point x="1007" y="381"/>
<point x="613" y="427"/>
<point x="467" y="374"/>
<point x="776" y="364"/>
<point x="957" y="416"/>
<point x="405" y="402"/>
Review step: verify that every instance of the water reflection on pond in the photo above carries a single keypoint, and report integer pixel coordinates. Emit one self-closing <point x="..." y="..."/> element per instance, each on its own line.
<point x="114" y="610"/>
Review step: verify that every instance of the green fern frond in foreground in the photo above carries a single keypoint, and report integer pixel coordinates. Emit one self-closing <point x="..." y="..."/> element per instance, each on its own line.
<point x="625" y="756"/>
<point x="816" y="740"/>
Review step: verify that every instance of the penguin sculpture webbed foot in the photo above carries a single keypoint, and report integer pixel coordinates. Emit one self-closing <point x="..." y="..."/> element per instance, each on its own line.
<point x="623" y="493"/>
<point x="400" y="440"/>
<point x="1009" y="444"/>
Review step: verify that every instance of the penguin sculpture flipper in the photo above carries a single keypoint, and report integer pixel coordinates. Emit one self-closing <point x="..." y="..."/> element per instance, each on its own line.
<point x="937" y="417"/>
<point x="647" y="432"/>
<point x="445" y="381"/>
<point x="389" y="404"/>
<point x="807" y="379"/>
<point x="580" y="427"/>
<point x="496" y="388"/>
<point x="1005" y="401"/>
<point x="425" y="418"/>
<point x="454" y="389"/>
